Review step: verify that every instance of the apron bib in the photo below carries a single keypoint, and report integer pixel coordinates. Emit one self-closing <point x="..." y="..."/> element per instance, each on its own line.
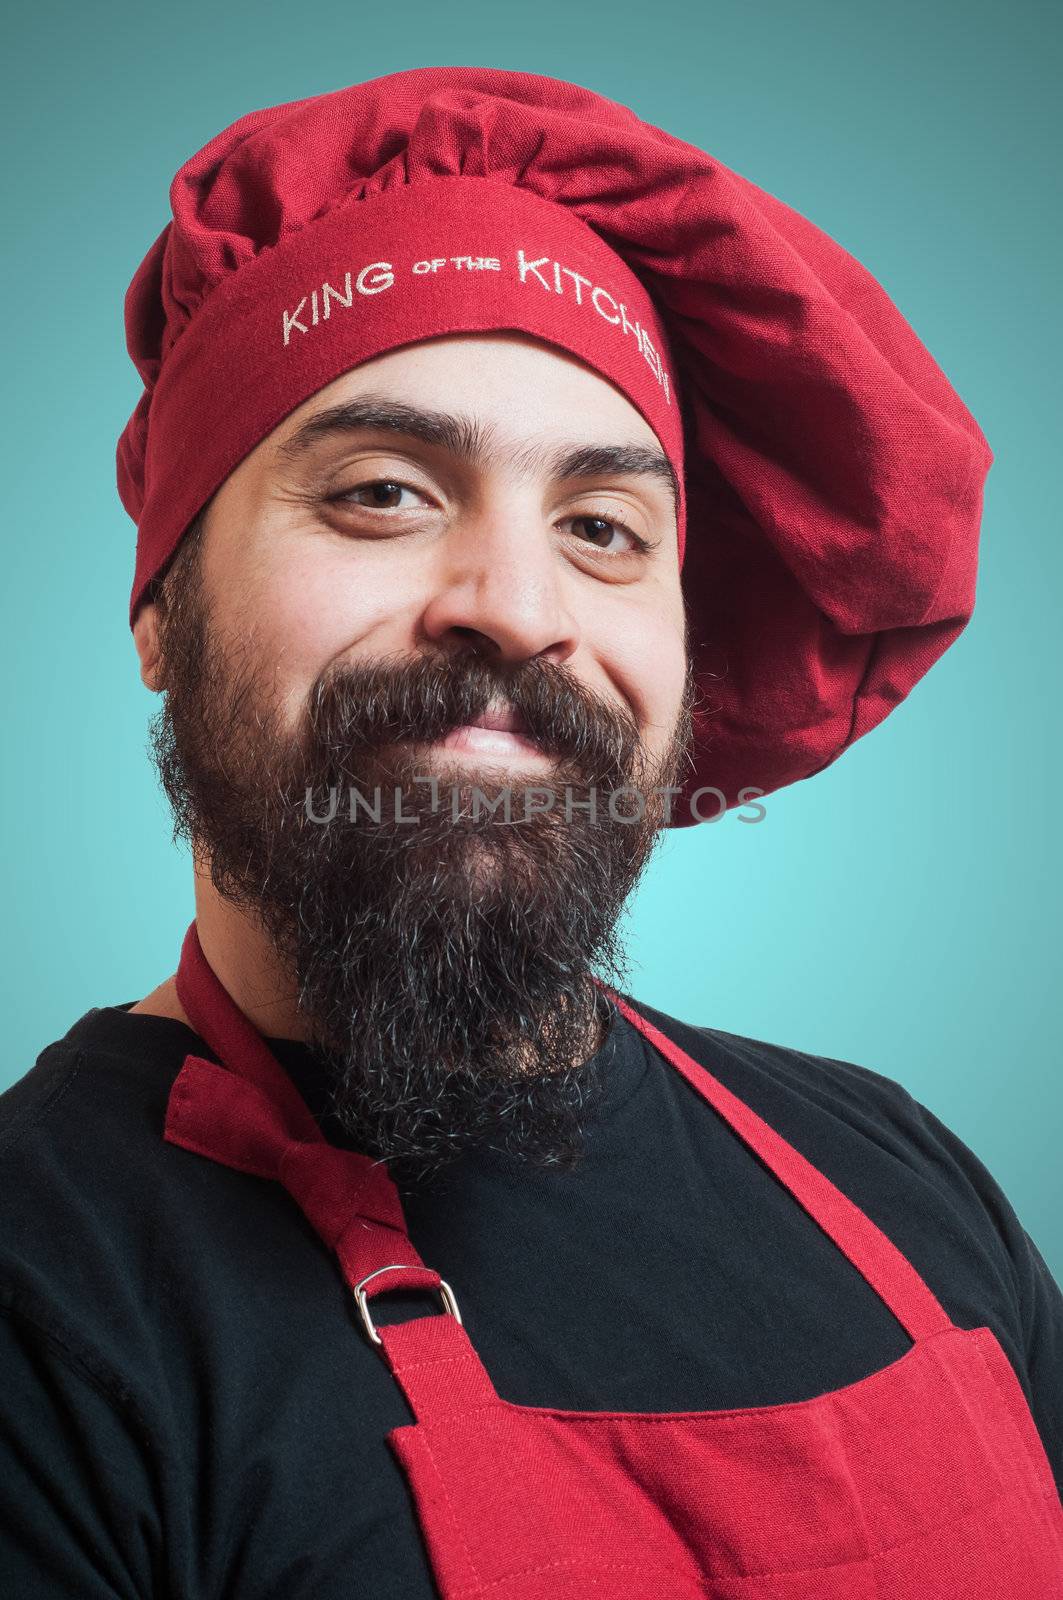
<point x="927" y="1479"/>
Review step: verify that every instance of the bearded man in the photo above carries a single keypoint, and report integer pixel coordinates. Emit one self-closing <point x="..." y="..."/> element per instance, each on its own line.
<point x="512" y="482"/>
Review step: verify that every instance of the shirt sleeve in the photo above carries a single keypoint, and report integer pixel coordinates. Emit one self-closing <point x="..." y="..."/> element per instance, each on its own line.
<point x="1037" y="1294"/>
<point x="78" y="1516"/>
<point x="1043" y="1322"/>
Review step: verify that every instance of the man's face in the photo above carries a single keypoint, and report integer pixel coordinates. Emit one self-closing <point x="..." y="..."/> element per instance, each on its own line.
<point x="473" y="530"/>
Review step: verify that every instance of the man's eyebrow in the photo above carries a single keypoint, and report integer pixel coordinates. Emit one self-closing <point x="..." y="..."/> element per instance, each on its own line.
<point x="470" y="440"/>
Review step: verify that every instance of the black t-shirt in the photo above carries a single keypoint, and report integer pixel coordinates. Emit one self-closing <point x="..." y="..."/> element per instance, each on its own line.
<point x="190" y="1408"/>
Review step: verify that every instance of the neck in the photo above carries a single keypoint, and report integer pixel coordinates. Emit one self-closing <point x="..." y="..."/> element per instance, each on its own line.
<point x="245" y="963"/>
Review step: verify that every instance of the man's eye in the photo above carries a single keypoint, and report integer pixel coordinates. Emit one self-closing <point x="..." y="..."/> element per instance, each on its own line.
<point x="381" y="494"/>
<point x="601" y="533"/>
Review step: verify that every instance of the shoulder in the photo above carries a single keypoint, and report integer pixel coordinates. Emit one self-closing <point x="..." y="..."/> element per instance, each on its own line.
<point x="816" y="1092"/>
<point x="89" y="1188"/>
<point x="89" y="1112"/>
<point x="80" y="1188"/>
<point x="902" y="1164"/>
<point x="881" y="1146"/>
<point x="920" y="1182"/>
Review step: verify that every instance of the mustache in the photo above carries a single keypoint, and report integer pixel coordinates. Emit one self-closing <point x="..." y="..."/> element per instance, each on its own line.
<point x="353" y="709"/>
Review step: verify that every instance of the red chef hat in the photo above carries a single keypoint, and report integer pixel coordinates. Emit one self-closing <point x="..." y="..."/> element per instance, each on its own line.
<point x="832" y="481"/>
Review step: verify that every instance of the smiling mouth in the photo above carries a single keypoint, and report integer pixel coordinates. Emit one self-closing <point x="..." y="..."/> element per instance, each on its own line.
<point x="500" y="730"/>
<point x="476" y="739"/>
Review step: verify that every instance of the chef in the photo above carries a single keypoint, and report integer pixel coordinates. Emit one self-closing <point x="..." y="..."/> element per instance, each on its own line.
<point x="495" y="442"/>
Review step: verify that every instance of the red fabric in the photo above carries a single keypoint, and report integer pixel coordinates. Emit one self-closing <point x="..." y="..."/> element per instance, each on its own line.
<point x="832" y="478"/>
<point x="926" y="1480"/>
<point x="326" y="298"/>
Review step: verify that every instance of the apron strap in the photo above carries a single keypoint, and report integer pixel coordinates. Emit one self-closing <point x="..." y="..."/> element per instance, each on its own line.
<point x="248" y="1114"/>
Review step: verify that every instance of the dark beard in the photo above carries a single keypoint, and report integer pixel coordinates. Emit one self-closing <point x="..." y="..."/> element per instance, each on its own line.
<point x="443" y="967"/>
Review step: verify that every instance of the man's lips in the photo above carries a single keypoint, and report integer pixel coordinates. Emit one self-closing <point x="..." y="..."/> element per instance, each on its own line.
<point x="476" y="739"/>
<point x="498" y="731"/>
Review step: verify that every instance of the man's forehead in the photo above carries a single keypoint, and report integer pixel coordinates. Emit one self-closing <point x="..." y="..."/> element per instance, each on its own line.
<point x="477" y="440"/>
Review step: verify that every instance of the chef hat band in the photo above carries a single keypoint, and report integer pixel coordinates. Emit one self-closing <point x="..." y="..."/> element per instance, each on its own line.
<point x="445" y="256"/>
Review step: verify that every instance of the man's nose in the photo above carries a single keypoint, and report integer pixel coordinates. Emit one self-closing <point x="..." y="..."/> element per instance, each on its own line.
<point x="501" y="583"/>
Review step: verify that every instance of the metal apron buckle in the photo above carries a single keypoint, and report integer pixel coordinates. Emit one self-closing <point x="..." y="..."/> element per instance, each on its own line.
<point x="445" y="1291"/>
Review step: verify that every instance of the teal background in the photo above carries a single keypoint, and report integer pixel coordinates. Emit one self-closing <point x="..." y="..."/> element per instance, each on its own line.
<point x="900" y="909"/>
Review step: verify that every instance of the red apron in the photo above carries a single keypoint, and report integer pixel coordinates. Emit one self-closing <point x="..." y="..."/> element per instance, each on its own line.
<point x="923" y="1481"/>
